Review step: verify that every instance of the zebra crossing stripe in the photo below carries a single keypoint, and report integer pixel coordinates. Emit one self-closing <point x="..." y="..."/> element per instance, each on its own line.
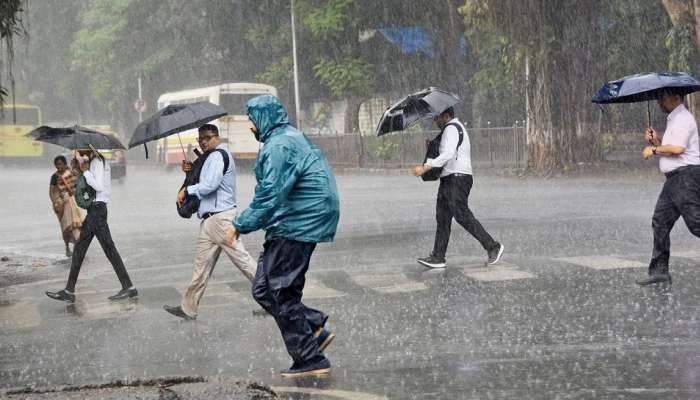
<point x="20" y="315"/>
<point x="388" y="283"/>
<point x="497" y="273"/>
<point x="602" y="262"/>
<point x="314" y="289"/>
<point x="693" y="255"/>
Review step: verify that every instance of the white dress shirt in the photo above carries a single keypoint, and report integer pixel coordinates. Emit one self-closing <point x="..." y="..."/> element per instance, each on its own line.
<point x="451" y="163"/>
<point x="681" y="130"/>
<point x="99" y="177"/>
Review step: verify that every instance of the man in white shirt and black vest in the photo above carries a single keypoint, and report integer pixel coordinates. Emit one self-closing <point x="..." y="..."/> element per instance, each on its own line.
<point x="679" y="159"/>
<point x="453" y="194"/>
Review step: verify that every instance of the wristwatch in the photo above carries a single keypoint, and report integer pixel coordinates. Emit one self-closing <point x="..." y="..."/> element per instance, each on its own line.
<point x="653" y="149"/>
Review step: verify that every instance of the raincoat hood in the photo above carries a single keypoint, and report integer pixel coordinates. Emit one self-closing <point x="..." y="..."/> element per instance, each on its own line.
<point x="296" y="197"/>
<point x="268" y="114"/>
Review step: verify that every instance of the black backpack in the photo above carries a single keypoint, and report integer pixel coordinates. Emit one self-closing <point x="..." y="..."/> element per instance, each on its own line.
<point x="191" y="203"/>
<point x="433" y="150"/>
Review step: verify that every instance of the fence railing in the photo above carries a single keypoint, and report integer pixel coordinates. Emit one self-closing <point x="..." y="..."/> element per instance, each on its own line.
<point x="502" y="147"/>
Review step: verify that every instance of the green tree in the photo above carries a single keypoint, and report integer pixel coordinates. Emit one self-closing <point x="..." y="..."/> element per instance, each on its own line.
<point x="10" y="27"/>
<point x="563" y="48"/>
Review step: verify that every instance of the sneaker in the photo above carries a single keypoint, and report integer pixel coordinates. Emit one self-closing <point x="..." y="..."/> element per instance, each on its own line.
<point x="177" y="311"/>
<point x="312" y="369"/>
<point x="432" y="262"/>
<point x="124" y="294"/>
<point x="62" y="295"/>
<point x="324" y="338"/>
<point x="495" y="255"/>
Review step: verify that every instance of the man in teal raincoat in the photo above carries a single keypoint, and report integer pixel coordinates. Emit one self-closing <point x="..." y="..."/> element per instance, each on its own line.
<point x="296" y="203"/>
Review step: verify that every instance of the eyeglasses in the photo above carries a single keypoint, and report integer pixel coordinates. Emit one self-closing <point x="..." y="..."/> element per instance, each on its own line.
<point x="203" y="139"/>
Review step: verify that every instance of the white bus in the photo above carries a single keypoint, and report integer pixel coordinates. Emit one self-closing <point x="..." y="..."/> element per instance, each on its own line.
<point x="233" y="128"/>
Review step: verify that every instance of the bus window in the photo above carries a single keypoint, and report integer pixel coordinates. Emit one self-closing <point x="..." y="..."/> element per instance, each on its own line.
<point x="22" y="116"/>
<point x="235" y="103"/>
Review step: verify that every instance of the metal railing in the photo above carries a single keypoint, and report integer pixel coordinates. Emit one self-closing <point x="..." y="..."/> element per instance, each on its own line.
<point x="502" y="147"/>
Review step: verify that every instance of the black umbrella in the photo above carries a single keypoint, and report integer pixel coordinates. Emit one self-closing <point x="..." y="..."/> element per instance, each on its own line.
<point x="76" y="138"/>
<point x="424" y="104"/>
<point x="645" y="87"/>
<point x="173" y="119"/>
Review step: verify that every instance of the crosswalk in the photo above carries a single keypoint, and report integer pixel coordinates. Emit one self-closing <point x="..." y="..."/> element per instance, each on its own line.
<point x="23" y="310"/>
<point x="602" y="262"/>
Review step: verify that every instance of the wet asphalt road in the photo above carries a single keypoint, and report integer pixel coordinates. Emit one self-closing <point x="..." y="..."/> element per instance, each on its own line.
<point x="559" y="318"/>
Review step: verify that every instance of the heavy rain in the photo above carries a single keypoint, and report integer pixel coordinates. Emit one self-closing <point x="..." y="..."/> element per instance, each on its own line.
<point x="254" y="199"/>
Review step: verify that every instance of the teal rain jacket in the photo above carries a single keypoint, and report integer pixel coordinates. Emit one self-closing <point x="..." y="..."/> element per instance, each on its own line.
<point x="296" y="196"/>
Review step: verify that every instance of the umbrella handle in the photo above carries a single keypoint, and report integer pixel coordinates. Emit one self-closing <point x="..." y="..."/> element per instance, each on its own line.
<point x="648" y="115"/>
<point x="182" y="147"/>
<point x="97" y="153"/>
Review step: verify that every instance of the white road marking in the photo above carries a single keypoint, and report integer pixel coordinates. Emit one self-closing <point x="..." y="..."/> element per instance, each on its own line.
<point x="602" y="262"/>
<point x="693" y="255"/>
<point x="20" y="315"/>
<point x="313" y="289"/>
<point x="388" y="283"/>
<point x="338" y="394"/>
<point x="496" y="273"/>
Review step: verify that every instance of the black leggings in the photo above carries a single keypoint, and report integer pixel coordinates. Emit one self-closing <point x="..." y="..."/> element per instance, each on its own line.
<point x="95" y="224"/>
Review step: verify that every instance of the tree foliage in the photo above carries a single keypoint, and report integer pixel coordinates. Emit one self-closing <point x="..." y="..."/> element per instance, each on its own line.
<point x="86" y="56"/>
<point x="10" y="27"/>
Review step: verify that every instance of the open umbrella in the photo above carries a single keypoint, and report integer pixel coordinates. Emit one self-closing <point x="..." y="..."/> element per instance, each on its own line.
<point x="76" y="138"/>
<point x="173" y="119"/>
<point x="645" y="87"/>
<point x="426" y="103"/>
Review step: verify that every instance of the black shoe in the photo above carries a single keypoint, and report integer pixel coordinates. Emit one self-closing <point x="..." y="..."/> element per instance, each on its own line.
<point x="655" y="278"/>
<point x="124" y="294"/>
<point x="62" y="295"/>
<point x="313" y="369"/>
<point x="432" y="262"/>
<point x="177" y="311"/>
<point x="324" y="338"/>
<point x="495" y="255"/>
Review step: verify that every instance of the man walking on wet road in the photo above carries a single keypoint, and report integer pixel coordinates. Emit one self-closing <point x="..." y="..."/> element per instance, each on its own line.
<point x="296" y="203"/>
<point x="216" y="192"/>
<point x="453" y="194"/>
<point x="679" y="160"/>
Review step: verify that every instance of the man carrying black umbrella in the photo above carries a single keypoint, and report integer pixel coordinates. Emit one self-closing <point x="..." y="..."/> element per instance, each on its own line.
<point x="453" y="194"/>
<point x="679" y="160"/>
<point x="216" y="191"/>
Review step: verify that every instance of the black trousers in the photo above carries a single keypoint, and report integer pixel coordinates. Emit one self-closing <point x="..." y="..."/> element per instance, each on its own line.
<point x="680" y="197"/>
<point x="453" y="202"/>
<point x="278" y="286"/>
<point x="95" y="224"/>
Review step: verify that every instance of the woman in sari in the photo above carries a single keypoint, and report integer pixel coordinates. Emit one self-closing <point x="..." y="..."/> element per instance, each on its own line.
<point x="61" y="191"/>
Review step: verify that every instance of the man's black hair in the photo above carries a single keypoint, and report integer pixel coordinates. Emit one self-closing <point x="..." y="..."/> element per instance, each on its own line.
<point x="450" y="111"/>
<point x="209" y="128"/>
<point x="672" y="92"/>
<point x="60" y="158"/>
